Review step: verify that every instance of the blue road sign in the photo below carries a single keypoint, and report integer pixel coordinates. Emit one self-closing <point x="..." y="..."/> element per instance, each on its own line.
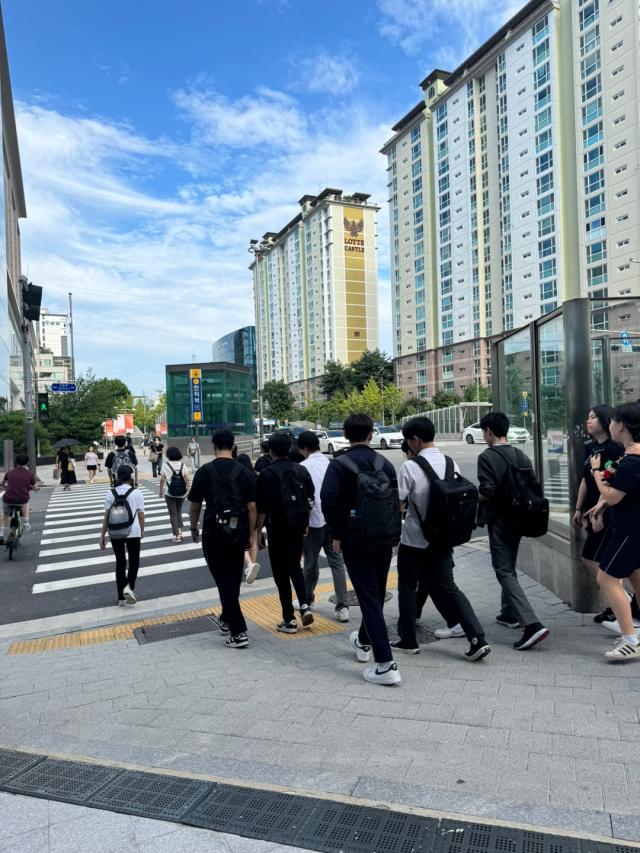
<point x="64" y="387"/>
<point x="625" y="341"/>
<point x="524" y="405"/>
<point x="195" y="381"/>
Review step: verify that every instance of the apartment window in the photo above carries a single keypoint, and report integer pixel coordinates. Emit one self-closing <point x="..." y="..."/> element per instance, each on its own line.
<point x="590" y="41"/>
<point x="418" y="216"/>
<point x="544" y="162"/>
<point x="616" y="46"/>
<point x="415" y="151"/>
<point x="593" y="158"/>
<point x="547" y="247"/>
<point x="615" y="21"/>
<point x="443" y="184"/>
<point x="446" y="286"/>
<point x="417" y="185"/>
<point x="445" y="218"/>
<point x="545" y="183"/>
<point x="547" y="268"/>
<point x="591" y="88"/>
<point x="595" y="204"/>
<point x="447" y="303"/>
<point x="597" y="276"/>
<point x="443" y="129"/>
<point x="441" y="112"/>
<point x="543" y="141"/>
<point x="622" y="193"/>
<point x="542" y="98"/>
<point x="592" y="111"/>
<point x="624" y="242"/>
<point x="548" y="289"/>
<point x="596" y="228"/>
<point x="622" y="218"/>
<point x="541" y="52"/>
<point x="542" y="75"/>
<point x="618" y="95"/>
<point x="588" y="15"/>
<point x="540" y="29"/>
<point x="619" y="120"/>
<point x="445" y="252"/>
<point x="445" y="269"/>
<point x="417" y="201"/>
<point x="543" y="119"/>
<point x="416" y="168"/>
<point x="415" y="131"/>
<point x="620" y="145"/>
<point x="545" y="204"/>
<point x="592" y="135"/>
<point x="447" y="323"/>
<point x="597" y="252"/>
<point x="594" y="182"/>
<point x="590" y="65"/>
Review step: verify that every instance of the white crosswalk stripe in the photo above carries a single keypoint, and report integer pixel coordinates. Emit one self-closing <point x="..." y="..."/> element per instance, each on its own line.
<point x="70" y="553"/>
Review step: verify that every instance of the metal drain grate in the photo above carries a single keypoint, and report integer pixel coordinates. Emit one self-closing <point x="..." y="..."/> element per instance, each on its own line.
<point x="12" y="763"/>
<point x="151" y="795"/>
<point x="69" y="781"/>
<point x="454" y="837"/>
<point x="587" y="846"/>
<point x="155" y="633"/>
<point x="358" y="829"/>
<point x="267" y="815"/>
<point x="352" y="598"/>
<point x="424" y="634"/>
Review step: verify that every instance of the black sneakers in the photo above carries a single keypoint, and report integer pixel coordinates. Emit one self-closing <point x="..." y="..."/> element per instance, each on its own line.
<point x="224" y="628"/>
<point x="507" y="621"/>
<point x="533" y="634"/>
<point x="405" y="648"/>
<point x="240" y="641"/>
<point x="607" y="615"/>
<point x="478" y="649"/>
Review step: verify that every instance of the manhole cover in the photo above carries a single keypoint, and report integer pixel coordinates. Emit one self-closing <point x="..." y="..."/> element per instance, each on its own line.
<point x="268" y="815"/>
<point x="70" y="781"/>
<point x="171" y="630"/>
<point x="12" y="763"/>
<point x="424" y="634"/>
<point x="151" y="795"/>
<point x="352" y="598"/>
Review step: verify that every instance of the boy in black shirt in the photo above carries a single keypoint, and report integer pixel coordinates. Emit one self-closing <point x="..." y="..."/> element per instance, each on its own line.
<point x="229" y="528"/>
<point x="284" y="495"/>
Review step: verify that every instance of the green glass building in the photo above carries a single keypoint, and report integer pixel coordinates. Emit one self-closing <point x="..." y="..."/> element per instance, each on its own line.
<point x="225" y="399"/>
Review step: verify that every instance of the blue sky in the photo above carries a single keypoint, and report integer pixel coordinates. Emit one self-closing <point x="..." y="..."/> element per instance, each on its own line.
<point x="157" y="138"/>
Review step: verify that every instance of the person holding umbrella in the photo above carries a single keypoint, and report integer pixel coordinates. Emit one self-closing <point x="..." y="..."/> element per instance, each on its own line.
<point x="65" y="463"/>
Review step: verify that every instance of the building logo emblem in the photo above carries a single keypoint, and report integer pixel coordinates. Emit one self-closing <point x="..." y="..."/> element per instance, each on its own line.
<point x="354" y="226"/>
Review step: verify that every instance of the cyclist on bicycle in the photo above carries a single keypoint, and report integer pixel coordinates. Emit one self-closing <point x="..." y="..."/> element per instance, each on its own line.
<point x="18" y="483"/>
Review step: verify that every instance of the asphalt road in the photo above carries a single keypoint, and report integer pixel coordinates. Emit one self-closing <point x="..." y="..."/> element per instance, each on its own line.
<point x="59" y="569"/>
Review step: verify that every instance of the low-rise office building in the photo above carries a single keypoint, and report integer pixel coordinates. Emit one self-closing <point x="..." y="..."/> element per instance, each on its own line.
<point x="208" y="396"/>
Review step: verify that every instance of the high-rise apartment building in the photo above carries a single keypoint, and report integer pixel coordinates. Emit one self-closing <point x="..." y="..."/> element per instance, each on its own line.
<point x="315" y="290"/>
<point x="514" y="185"/>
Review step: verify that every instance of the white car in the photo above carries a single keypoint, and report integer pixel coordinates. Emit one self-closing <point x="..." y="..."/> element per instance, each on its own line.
<point x="516" y="435"/>
<point x="386" y="437"/>
<point x="331" y="440"/>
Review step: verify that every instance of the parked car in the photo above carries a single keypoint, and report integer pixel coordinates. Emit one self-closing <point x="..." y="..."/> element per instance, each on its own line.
<point x="516" y="435"/>
<point x="331" y="440"/>
<point x="386" y="436"/>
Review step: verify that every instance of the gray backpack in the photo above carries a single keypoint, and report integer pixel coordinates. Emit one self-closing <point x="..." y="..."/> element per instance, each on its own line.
<point x="120" y="518"/>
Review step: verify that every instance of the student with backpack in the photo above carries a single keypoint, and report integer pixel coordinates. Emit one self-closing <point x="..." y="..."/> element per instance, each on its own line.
<point x="228" y="529"/>
<point x="441" y="508"/>
<point x="122" y="455"/>
<point x="359" y="500"/>
<point x="124" y="522"/>
<point x="174" y="485"/>
<point x="516" y="508"/>
<point x="284" y="495"/>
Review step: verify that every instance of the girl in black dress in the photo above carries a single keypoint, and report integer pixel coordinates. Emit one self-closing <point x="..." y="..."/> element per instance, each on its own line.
<point x="66" y="468"/>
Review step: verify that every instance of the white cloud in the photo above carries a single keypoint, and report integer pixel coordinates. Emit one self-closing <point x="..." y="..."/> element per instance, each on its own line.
<point x="442" y="32"/>
<point x="156" y="274"/>
<point x="331" y="73"/>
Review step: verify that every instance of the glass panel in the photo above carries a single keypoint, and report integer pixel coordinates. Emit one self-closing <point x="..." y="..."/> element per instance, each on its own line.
<point x="553" y="419"/>
<point x="516" y="354"/>
<point x="615" y="341"/>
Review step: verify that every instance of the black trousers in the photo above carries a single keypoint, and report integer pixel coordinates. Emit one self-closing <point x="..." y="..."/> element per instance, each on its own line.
<point x="285" y="553"/>
<point x="124" y="548"/>
<point x="368" y="573"/>
<point x="225" y="560"/>
<point x="434" y="569"/>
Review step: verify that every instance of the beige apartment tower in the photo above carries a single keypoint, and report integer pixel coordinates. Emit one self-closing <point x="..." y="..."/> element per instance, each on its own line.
<point x="315" y="287"/>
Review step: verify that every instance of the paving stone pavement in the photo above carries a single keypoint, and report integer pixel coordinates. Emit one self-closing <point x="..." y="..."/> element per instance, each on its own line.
<point x="549" y="737"/>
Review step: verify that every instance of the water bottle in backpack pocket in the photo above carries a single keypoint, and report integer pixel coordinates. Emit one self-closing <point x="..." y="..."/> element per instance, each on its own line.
<point x="452" y="508"/>
<point x="375" y="521"/>
<point x="226" y="511"/>
<point x="120" y="518"/>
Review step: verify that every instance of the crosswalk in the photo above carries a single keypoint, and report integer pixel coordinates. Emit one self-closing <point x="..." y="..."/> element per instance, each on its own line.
<point x="70" y="556"/>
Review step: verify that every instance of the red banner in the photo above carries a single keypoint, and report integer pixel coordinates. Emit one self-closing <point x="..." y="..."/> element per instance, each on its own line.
<point x="108" y="428"/>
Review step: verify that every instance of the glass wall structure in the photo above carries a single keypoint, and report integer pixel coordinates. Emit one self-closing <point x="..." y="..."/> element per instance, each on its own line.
<point x="546" y="377"/>
<point x="226" y="392"/>
<point x="238" y="347"/>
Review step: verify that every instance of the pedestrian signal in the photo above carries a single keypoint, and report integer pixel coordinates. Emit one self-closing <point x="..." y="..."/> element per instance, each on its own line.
<point x="43" y="406"/>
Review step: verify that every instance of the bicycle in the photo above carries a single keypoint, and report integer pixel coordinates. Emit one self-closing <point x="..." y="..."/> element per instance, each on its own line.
<point x="16" y="528"/>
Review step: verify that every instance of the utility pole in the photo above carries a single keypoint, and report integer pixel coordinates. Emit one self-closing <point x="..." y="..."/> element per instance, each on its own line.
<point x="73" y="358"/>
<point x="31" y="299"/>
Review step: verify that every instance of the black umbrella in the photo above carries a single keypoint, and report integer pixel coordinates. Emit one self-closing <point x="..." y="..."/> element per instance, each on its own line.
<point x="65" y="442"/>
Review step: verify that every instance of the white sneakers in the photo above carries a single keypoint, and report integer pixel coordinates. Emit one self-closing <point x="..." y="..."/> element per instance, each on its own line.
<point x="623" y="651"/>
<point x="129" y="595"/>
<point x="363" y="653"/>
<point x="388" y="677"/>
<point x="252" y="572"/>
<point x="613" y="626"/>
<point x="342" y="614"/>
<point x="449" y="633"/>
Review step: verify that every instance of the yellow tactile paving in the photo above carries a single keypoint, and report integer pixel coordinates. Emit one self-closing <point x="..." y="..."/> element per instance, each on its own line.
<point x="264" y="610"/>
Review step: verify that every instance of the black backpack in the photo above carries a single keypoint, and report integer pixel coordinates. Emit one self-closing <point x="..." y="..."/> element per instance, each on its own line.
<point x="226" y="511"/>
<point x="120" y="518"/>
<point x="453" y="504"/>
<point x="294" y="501"/>
<point x="177" y="487"/>
<point x="376" y="521"/>
<point x="526" y="508"/>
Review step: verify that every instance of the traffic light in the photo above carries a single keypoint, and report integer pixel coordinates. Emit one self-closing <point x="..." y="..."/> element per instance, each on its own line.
<point x="43" y="406"/>
<point x="31" y="299"/>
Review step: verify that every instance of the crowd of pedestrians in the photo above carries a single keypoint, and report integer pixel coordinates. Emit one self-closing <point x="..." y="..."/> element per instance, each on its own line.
<point x="356" y="509"/>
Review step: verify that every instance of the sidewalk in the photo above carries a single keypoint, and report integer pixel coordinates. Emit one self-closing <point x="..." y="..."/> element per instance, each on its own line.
<point x="549" y="738"/>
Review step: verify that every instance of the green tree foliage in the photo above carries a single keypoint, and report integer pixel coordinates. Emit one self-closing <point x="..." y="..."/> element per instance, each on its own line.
<point x="279" y="400"/>
<point x="81" y="415"/>
<point x="412" y="406"/>
<point x="372" y="364"/>
<point x="13" y="427"/>
<point x="477" y="393"/>
<point x="444" y="399"/>
<point x="337" y="379"/>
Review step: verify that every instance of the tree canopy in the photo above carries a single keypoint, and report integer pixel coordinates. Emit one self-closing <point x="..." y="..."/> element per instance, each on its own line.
<point x="81" y="415"/>
<point x="279" y="400"/>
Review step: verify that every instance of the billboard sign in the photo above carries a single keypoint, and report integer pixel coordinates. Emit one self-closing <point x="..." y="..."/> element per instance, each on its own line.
<point x="195" y="383"/>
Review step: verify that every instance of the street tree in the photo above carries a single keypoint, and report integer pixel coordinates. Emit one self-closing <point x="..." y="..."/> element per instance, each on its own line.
<point x="279" y="400"/>
<point x="444" y="399"/>
<point x="477" y="393"/>
<point x="337" y="379"/>
<point x="375" y="365"/>
<point x="81" y="415"/>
